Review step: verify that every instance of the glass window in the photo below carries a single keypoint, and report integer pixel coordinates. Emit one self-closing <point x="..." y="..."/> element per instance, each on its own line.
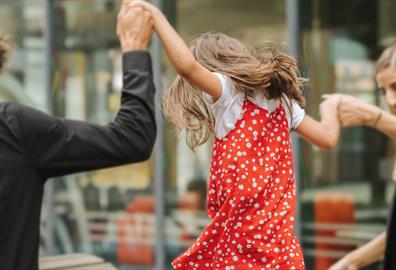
<point x="107" y="212"/>
<point x="345" y="193"/>
<point x="23" y="21"/>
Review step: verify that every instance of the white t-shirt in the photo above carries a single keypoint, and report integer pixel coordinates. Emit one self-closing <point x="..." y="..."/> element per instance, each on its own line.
<point x="228" y="107"/>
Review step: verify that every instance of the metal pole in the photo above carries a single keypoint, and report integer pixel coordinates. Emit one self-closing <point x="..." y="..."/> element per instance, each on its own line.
<point x="293" y="31"/>
<point x="158" y="159"/>
<point x="49" y="187"/>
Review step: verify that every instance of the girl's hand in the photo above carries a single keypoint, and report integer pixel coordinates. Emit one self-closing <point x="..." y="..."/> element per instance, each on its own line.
<point x="146" y="6"/>
<point x="331" y="103"/>
<point x="333" y="99"/>
<point x="325" y="133"/>
<point x="179" y="54"/>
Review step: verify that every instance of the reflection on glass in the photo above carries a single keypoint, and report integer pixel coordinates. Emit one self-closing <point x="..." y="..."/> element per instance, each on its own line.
<point x="345" y="193"/>
<point x="106" y="212"/>
<point x="23" y="21"/>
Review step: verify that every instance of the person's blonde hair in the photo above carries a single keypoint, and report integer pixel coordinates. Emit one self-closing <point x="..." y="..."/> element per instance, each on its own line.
<point x="268" y="70"/>
<point x="387" y="58"/>
<point x="5" y="47"/>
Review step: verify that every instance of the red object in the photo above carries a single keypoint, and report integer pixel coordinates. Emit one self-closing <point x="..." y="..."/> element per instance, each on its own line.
<point x="190" y="201"/>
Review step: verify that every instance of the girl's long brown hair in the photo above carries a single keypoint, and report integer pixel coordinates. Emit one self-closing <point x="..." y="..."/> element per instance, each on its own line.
<point x="268" y="70"/>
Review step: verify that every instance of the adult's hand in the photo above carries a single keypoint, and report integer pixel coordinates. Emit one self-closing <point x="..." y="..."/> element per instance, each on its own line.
<point x="330" y="101"/>
<point x="343" y="264"/>
<point x="134" y="27"/>
<point x="353" y="112"/>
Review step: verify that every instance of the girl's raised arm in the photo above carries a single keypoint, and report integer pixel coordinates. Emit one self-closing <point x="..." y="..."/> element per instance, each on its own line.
<point x="180" y="55"/>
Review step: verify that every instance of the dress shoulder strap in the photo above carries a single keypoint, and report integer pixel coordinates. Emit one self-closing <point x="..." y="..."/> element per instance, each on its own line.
<point x="289" y="106"/>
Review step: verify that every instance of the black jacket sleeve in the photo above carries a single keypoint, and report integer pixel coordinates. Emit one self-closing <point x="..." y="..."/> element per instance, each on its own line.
<point x="57" y="146"/>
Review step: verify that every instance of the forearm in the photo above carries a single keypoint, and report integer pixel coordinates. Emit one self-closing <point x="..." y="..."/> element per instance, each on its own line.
<point x="354" y="112"/>
<point x="325" y="133"/>
<point x="369" y="253"/>
<point x="330" y="126"/>
<point x="386" y="124"/>
<point x="177" y="50"/>
<point x="136" y="118"/>
<point x="374" y="117"/>
<point x="77" y="146"/>
<point x="132" y="44"/>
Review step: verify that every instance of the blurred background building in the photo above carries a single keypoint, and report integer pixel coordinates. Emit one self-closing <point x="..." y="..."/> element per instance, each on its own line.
<point x="67" y="62"/>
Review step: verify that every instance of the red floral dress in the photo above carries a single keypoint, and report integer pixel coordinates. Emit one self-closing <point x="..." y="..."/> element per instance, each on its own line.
<point x="251" y="199"/>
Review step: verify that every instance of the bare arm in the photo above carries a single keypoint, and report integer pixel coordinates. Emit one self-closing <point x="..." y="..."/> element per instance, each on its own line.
<point x="363" y="256"/>
<point x="180" y="55"/>
<point x="387" y="124"/>
<point x="325" y="133"/>
<point x="354" y="112"/>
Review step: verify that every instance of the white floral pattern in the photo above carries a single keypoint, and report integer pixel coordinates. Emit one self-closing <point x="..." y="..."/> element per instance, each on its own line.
<point x="251" y="199"/>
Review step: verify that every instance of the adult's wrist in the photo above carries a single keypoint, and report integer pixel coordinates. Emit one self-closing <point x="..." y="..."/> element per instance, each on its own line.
<point x="371" y="114"/>
<point x="133" y="45"/>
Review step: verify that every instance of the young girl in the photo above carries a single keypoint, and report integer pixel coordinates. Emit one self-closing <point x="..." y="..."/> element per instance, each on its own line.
<point x="250" y="100"/>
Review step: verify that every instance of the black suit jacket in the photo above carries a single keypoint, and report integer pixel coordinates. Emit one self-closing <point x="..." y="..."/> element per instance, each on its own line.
<point x="390" y="250"/>
<point x="35" y="146"/>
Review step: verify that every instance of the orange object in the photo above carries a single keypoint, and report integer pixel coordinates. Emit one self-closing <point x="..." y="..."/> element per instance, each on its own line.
<point x="189" y="202"/>
<point x="135" y="233"/>
<point x="329" y="209"/>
